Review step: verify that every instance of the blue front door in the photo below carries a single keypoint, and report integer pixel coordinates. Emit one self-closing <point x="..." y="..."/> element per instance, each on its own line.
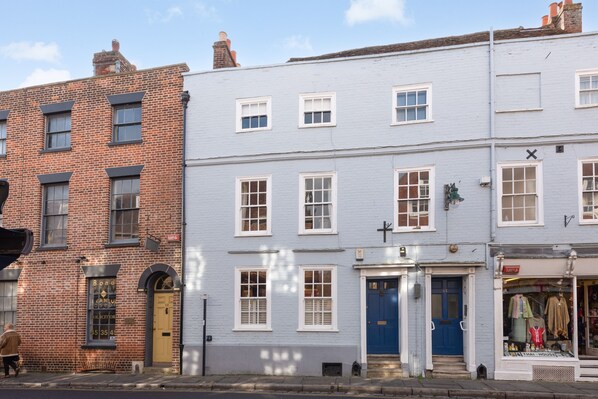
<point x="447" y="298"/>
<point x="383" y="316"/>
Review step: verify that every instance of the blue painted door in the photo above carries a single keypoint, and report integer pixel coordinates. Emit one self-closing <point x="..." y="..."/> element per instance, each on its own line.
<point x="383" y="316"/>
<point x="447" y="313"/>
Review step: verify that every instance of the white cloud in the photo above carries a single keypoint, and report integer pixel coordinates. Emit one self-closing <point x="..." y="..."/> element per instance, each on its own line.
<point x="163" y="17"/>
<point x="297" y="42"/>
<point x="38" y="51"/>
<point x="362" y="11"/>
<point x="205" y="11"/>
<point x="41" y="76"/>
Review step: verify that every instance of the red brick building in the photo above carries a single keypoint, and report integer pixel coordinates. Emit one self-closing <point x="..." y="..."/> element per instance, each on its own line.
<point x="95" y="171"/>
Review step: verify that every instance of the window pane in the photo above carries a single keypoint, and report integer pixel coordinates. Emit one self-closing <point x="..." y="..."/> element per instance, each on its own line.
<point x="125" y="209"/>
<point x="402" y="99"/>
<point x="101" y="309"/>
<point x="411" y="98"/>
<point x="437" y="306"/>
<point x="453" y="306"/>
<point x="410" y="114"/>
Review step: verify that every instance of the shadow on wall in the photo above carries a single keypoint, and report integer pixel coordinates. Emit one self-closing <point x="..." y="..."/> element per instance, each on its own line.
<point x="271" y="362"/>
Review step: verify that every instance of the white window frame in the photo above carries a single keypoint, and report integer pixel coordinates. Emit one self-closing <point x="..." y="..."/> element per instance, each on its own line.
<point x="431" y="201"/>
<point x="333" y="327"/>
<point x="252" y="327"/>
<point x="578" y="75"/>
<point x="240" y="102"/>
<point x="333" y="201"/>
<point x="317" y="96"/>
<point x="238" y="210"/>
<point x="3" y="129"/>
<point x="580" y="190"/>
<point x="539" y="194"/>
<point x="398" y="89"/>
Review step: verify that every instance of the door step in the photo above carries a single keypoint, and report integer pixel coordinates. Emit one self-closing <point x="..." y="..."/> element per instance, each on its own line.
<point x="588" y="368"/>
<point x="450" y="367"/>
<point x="384" y="366"/>
<point x="158" y="370"/>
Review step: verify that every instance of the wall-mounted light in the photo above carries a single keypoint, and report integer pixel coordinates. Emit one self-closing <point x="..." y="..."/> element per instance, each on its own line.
<point x="81" y="259"/>
<point x="402" y="252"/>
<point x="500" y="257"/>
<point x="451" y="196"/>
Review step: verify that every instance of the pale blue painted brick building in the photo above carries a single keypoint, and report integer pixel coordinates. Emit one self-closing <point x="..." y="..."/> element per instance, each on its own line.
<point x="322" y="232"/>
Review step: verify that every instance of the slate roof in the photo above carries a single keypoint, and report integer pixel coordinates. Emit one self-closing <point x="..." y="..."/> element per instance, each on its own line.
<point x="505" y="34"/>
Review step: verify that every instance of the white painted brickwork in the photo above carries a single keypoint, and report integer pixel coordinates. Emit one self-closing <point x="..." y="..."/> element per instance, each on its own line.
<point x="364" y="150"/>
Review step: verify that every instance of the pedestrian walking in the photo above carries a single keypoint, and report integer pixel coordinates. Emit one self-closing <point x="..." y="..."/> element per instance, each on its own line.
<point x="9" y="349"/>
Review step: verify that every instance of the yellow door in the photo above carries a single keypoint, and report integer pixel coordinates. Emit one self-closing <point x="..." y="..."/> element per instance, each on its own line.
<point x="162" y="328"/>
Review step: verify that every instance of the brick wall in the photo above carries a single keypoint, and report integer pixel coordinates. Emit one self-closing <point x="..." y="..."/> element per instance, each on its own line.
<point x="52" y="289"/>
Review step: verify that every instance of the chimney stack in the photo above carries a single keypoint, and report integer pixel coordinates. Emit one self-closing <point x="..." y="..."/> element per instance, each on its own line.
<point x="223" y="56"/>
<point x="565" y="16"/>
<point x="107" y="62"/>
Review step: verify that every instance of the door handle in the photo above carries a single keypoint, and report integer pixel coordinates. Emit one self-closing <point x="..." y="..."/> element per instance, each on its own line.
<point x="461" y="324"/>
<point x="433" y="326"/>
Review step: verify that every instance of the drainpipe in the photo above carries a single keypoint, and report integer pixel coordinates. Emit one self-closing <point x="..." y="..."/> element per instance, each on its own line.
<point x="185" y="97"/>
<point x="493" y="178"/>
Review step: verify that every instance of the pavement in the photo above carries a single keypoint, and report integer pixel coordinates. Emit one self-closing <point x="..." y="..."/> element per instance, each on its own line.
<point x="441" y="388"/>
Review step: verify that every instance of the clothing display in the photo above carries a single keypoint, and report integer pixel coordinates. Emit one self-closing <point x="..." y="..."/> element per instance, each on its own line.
<point x="518" y="330"/>
<point x="557" y="311"/>
<point x="536" y="322"/>
<point x="519" y="307"/>
<point x="537" y="336"/>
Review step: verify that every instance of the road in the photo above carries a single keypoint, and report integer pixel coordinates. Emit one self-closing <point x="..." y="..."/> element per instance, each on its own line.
<point x="164" y="394"/>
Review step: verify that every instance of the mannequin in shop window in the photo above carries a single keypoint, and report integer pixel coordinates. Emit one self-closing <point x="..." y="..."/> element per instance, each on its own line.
<point x="557" y="312"/>
<point x="519" y="312"/>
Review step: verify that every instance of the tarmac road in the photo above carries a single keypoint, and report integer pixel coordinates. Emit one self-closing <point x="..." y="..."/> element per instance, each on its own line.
<point x="9" y="393"/>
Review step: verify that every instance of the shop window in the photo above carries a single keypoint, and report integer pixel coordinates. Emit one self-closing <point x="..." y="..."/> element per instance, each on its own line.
<point x="537" y="317"/>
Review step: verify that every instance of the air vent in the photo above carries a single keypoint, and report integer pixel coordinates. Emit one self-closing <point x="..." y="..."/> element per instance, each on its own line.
<point x="332" y="369"/>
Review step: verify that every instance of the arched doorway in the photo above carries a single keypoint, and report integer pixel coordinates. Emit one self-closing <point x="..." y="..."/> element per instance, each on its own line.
<point x="161" y="283"/>
<point x="163" y="288"/>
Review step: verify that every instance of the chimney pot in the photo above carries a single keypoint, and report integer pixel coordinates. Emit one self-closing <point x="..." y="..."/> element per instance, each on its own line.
<point x="115" y="45"/>
<point x="553" y="9"/>
<point x="565" y="2"/>
<point x="224" y="57"/>
<point x="544" y="20"/>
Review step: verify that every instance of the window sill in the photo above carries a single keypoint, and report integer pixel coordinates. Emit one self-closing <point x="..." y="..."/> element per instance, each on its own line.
<point x="99" y="346"/>
<point x="586" y="106"/>
<point x="2" y="156"/>
<point x="49" y="150"/>
<point x="254" y="130"/>
<point x="122" y="244"/>
<point x="411" y="122"/>
<point x="509" y="111"/>
<point x="265" y="329"/>
<point x="422" y="230"/>
<point x="317" y="233"/>
<point x="42" y="248"/>
<point x="253" y="235"/>
<point x="117" y="143"/>
<point x="317" y="331"/>
<point x="522" y="225"/>
<point x="316" y="126"/>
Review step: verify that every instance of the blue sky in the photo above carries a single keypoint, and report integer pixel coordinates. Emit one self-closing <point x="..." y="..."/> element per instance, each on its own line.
<point x="46" y="41"/>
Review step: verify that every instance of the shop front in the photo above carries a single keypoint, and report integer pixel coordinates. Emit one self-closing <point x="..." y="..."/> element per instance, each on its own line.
<point x="546" y="317"/>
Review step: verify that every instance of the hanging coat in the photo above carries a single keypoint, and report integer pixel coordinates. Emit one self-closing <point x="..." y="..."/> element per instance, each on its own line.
<point x="519" y="307"/>
<point x="558" y="316"/>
